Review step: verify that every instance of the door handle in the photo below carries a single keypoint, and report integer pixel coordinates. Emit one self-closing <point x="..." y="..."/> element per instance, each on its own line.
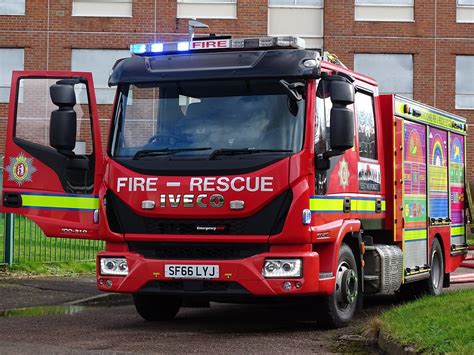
<point x="12" y="199"/>
<point x="378" y="206"/>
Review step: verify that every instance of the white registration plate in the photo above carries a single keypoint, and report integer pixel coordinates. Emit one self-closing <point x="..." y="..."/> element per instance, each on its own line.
<point x="192" y="271"/>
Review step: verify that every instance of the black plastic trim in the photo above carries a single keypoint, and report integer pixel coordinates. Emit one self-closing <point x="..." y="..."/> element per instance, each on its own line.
<point x="268" y="221"/>
<point x="194" y="287"/>
<point x="197" y="251"/>
<point x="279" y="63"/>
<point x="168" y="166"/>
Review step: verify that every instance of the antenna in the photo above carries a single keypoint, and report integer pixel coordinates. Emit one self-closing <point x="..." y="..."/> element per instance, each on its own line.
<point x="192" y="24"/>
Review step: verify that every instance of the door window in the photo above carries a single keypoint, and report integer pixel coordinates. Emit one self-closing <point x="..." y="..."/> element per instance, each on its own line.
<point x="34" y="112"/>
<point x="364" y="105"/>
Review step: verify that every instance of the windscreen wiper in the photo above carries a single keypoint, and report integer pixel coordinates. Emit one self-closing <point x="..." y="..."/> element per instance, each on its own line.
<point x="243" y="151"/>
<point x="165" y="151"/>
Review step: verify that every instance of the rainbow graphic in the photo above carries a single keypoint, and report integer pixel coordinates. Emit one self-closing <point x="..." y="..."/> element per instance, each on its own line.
<point x="437" y="151"/>
<point x="457" y="151"/>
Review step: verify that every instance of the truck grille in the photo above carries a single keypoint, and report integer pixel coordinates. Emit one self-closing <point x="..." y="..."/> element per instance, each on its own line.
<point x="178" y="226"/>
<point x="197" y="251"/>
<point x="202" y="287"/>
<point x="268" y="221"/>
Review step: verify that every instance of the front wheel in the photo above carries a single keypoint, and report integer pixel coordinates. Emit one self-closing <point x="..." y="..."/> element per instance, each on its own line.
<point x="337" y="309"/>
<point x="157" y="307"/>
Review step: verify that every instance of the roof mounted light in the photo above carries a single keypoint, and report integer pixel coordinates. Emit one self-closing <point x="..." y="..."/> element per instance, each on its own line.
<point x="213" y="43"/>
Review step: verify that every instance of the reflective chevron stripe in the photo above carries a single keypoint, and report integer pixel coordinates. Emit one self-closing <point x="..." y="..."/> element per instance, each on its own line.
<point x="335" y="204"/>
<point x="62" y="202"/>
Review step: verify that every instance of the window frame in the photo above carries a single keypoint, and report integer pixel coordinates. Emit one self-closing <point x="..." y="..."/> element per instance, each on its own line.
<point x="296" y="6"/>
<point x="471" y="107"/>
<point x="7" y="84"/>
<point x="14" y="14"/>
<point x="404" y="94"/>
<point x="384" y="5"/>
<point x="464" y="5"/>
<point x="371" y="94"/>
<point x="98" y="85"/>
<point x="74" y="14"/>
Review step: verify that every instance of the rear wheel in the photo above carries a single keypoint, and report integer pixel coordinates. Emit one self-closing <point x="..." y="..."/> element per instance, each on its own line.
<point x="157" y="307"/>
<point x="337" y="309"/>
<point x="434" y="285"/>
<point x="430" y="286"/>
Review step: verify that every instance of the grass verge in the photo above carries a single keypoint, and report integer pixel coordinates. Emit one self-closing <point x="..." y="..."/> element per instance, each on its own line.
<point x="65" y="268"/>
<point x="434" y="324"/>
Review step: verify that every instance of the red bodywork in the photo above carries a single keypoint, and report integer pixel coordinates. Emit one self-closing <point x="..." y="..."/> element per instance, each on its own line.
<point x="317" y="244"/>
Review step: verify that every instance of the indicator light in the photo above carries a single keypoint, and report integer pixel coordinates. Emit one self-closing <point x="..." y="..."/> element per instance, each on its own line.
<point x="306" y="216"/>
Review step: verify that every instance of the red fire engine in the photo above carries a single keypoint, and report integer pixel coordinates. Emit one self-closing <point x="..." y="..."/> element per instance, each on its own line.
<point x="241" y="170"/>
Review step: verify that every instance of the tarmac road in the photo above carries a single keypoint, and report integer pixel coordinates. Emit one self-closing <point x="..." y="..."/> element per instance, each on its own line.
<point x="220" y="329"/>
<point x="118" y="329"/>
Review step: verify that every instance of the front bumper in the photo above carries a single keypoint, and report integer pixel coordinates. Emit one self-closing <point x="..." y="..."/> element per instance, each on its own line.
<point x="236" y="277"/>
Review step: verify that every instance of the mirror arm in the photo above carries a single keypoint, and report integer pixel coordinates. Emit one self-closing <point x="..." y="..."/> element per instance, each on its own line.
<point x="292" y="89"/>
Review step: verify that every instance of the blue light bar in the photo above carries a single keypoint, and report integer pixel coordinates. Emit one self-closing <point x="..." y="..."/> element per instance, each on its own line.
<point x="183" y="46"/>
<point x="217" y="43"/>
<point x="157" y="47"/>
<point x="138" y="48"/>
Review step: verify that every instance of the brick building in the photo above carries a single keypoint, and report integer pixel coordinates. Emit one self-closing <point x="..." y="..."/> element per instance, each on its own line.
<point x="419" y="48"/>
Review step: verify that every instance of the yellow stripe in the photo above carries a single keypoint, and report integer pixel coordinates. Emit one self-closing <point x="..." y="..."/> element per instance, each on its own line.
<point x="337" y="205"/>
<point x="88" y="203"/>
<point x="414" y="234"/>
<point x="459" y="230"/>
<point x="316" y="204"/>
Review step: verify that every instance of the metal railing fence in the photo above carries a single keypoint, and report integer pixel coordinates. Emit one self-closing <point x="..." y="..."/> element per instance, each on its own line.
<point x="22" y="241"/>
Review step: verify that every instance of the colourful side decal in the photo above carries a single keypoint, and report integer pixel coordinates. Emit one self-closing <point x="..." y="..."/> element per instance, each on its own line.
<point x="61" y="202"/>
<point x="438" y="174"/>
<point x="335" y="204"/>
<point x="456" y="188"/>
<point x="414" y="176"/>
<point x="421" y="113"/>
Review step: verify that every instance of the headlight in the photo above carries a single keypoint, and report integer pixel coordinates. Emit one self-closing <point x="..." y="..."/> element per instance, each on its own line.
<point x="113" y="266"/>
<point x="282" y="268"/>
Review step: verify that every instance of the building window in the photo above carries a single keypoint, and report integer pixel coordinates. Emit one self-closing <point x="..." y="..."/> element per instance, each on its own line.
<point x="464" y="82"/>
<point x="100" y="63"/>
<point x="10" y="59"/>
<point x="296" y="3"/>
<point x="384" y="10"/>
<point x="465" y="11"/>
<point x="12" y="7"/>
<point x="393" y="72"/>
<point x="223" y="9"/>
<point x="302" y="18"/>
<point x="102" y="8"/>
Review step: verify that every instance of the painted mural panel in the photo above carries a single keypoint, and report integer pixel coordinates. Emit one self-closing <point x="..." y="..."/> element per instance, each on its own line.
<point x="456" y="183"/>
<point x="414" y="195"/>
<point x="438" y="174"/>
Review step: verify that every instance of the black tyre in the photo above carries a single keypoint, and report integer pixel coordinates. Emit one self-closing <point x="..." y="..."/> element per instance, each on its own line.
<point x="434" y="285"/>
<point x="337" y="310"/>
<point x="156" y="307"/>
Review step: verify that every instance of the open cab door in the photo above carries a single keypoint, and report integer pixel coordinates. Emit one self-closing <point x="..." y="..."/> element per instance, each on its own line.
<point x="53" y="163"/>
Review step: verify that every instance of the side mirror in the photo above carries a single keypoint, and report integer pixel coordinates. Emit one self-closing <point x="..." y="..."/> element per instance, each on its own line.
<point x="342" y="94"/>
<point x="342" y="129"/>
<point x="63" y="123"/>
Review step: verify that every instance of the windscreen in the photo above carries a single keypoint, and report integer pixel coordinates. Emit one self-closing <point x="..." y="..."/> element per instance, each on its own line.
<point x="200" y="118"/>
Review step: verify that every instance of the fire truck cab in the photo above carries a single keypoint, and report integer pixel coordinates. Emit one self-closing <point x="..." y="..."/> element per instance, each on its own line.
<point x="239" y="170"/>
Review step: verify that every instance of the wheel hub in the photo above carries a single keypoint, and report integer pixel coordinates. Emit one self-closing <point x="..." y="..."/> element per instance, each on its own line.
<point x="346" y="286"/>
